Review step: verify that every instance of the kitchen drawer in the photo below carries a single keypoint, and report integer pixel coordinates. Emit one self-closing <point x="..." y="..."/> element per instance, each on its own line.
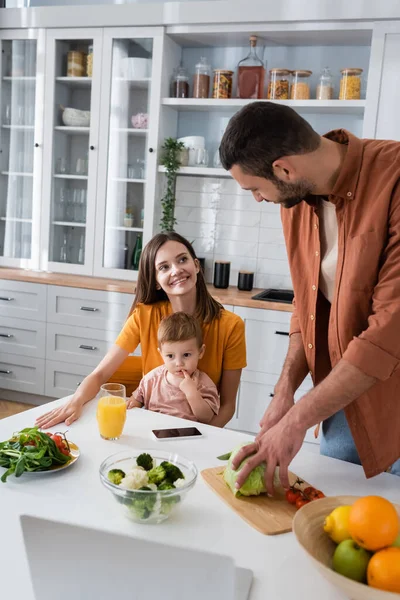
<point x="22" y="300"/>
<point x="22" y="373"/>
<point x="62" y="379"/>
<point x="88" y="308"/>
<point x="78" y="345"/>
<point x="22" y="336"/>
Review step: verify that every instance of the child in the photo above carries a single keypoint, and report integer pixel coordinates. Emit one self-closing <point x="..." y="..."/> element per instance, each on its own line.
<point x="178" y="388"/>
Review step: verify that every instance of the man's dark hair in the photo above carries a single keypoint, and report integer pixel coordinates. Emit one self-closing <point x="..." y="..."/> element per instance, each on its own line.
<point x="262" y="132"/>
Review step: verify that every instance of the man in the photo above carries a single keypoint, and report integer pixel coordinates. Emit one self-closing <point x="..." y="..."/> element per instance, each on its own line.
<point x="340" y="199"/>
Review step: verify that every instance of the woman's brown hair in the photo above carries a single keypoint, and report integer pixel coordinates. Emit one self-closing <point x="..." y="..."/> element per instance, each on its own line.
<point x="207" y="308"/>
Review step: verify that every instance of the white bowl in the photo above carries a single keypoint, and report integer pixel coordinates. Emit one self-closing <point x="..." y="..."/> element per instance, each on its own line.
<point x="72" y="117"/>
<point x="193" y="141"/>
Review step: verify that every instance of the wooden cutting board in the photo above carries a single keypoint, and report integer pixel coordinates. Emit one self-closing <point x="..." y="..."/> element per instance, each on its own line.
<point x="270" y="516"/>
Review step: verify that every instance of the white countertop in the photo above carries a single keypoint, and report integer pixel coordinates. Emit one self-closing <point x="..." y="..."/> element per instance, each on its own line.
<point x="281" y="570"/>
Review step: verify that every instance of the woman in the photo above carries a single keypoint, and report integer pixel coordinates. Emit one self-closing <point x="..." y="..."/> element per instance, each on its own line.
<point x="170" y="280"/>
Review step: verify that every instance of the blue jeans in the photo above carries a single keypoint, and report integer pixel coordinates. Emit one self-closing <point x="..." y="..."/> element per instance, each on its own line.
<point x="337" y="442"/>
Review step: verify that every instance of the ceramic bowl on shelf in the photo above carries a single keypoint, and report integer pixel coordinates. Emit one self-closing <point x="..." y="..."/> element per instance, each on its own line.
<point x="72" y="117"/>
<point x="148" y="506"/>
<point x="308" y="529"/>
<point x="140" y="121"/>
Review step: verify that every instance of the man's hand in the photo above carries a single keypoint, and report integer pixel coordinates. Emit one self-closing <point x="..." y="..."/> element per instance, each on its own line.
<point x="281" y="403"/>
<point x="69" y="412"/>
<point x="189" y="384"/>
<point x="277" y="447"/>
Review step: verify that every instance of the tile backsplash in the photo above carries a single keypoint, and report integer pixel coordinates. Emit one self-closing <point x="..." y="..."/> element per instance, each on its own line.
<point x="224" y="222"/>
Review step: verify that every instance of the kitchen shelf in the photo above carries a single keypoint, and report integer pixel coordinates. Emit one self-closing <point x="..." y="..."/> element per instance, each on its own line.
<point x="131" y="131"/>
<point x="126" y="180"/>
<point x="199" y="171"/>
<point x="21" y="79"/>
<point x="72" y="130"/>
<point x="17" y="174"/>
<point x="16" y="219"/>
<point x="348" y="107"/>
<point x="75" y="81"/>
<point x="62" y="176"/>
<point x="68" y="224"/>
<point x="139" y="84"/>
<point x="19" y="127"/>
<point x="140" y="229"/>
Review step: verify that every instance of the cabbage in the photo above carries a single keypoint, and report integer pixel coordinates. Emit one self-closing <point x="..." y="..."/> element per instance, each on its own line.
<point x="254" y="484"/>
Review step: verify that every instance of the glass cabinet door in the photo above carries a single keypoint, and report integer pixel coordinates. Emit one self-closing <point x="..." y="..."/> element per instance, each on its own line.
<point x="128" y="99"/>
<point x="19" y="218"/>
<point x="72" y="132"/>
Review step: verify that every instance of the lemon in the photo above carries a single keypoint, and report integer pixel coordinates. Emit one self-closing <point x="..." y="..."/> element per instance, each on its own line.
<point x="336" y="524"/>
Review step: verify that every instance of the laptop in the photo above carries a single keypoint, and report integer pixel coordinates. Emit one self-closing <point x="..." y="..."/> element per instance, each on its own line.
<point x="75" y="562"/>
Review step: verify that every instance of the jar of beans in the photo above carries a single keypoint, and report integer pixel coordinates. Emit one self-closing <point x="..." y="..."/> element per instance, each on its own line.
<point x="300" y="88"/>
<point x="278" y="85"/>
<point x="350" y="84"/>
<point x="222" y="84"/>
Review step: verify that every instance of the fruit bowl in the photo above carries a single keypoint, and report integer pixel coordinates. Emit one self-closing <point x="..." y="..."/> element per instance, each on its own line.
<point x="308" y="529"/>
<point x="162" y="502"/>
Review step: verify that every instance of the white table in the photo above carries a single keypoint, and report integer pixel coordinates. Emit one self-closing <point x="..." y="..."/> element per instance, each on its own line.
<point x="281" y="570"/>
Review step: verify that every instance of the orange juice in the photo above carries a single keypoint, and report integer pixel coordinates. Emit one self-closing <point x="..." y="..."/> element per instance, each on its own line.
<point x="111" y="416"/>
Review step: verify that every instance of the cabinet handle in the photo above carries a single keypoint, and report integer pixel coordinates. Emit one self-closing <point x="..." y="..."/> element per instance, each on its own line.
<point x="271" y="395"/>
<point x="282" y="333"/>
<point x="6" y="299"/>
<point x="5" y="372"/>
<point x="78" y="384"/>
<point x="84" y="347"/>
<point x="36" y="145"/>
<point x="89" y="308"/>
<point x="92" y="147"/>
<point x="6" y="335"/>
<point x="151" y="150"/>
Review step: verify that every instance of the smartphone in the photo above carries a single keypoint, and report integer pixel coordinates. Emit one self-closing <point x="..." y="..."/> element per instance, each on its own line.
<point x="180" y="433"/>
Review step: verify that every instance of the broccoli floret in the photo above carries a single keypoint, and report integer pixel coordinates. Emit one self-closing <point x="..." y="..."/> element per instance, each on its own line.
<point x="143" y="504"/>
<point x="173" y="472"/>
<point x="146" y="461"/>
<point x="157" y="475"/>
<point x="116" y="476"/>
<point x="167" y="504"/>
<point x="166" y="485"/>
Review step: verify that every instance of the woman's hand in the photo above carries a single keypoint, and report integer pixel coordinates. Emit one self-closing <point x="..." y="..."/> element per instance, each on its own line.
<point x="68" y="413"/>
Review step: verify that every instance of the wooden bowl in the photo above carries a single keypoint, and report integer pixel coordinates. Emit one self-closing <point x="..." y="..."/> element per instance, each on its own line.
<point x="308" y="529"/>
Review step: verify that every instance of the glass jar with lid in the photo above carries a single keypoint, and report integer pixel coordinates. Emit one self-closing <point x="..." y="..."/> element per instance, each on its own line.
<point x="300" y="88"/>
<point x="279" y="83"/>
<point x="325" y="86"/>
<point x="89" y="61"/>
<point x="180" y="84"/>
<point x="201" y="79"/>
<point x="350" y="84"/>
<point x="222" y="84"/>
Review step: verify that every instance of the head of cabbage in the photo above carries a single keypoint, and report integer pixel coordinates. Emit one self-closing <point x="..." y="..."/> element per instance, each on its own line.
<point x="254" y="484"/>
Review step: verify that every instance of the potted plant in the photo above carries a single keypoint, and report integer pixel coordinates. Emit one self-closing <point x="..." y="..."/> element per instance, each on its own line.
<point x="171" y="160"/>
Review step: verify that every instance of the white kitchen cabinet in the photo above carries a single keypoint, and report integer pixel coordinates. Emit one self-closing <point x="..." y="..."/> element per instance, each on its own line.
<point x="22" y="300"/>
<point x="78" y="345"/>
<point x="88" y="308"/>
<point x="21" y="145"/>
<point x="21" y="336"/>
<point x="22" y="373"/>
<point x="63" y="378"/>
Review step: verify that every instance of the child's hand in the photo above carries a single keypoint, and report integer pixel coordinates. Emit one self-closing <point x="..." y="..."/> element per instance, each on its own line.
<point x="189" y="384"/>
<point x="132" y="402"/>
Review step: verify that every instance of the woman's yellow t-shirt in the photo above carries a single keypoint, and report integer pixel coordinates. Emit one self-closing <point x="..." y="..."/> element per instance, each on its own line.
<point x="224" y="339"/>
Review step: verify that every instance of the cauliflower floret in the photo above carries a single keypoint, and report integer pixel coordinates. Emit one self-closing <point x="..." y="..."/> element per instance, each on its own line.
<point x="152" y="486"/>
<point x="179" y="483"/>
<point x="135" y="479"/>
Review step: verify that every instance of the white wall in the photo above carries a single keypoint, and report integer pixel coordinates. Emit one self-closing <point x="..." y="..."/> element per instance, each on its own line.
<point x="226" y="223"/>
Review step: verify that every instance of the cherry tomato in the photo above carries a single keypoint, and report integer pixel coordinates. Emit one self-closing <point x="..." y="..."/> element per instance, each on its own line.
<point x="292" y="495"/>
<point x="320" y="494"/>
<point x="57" y="439"/>
<point x="301" y="502"/>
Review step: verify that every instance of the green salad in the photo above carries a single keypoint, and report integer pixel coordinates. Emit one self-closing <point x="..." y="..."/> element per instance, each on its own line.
<point x="33" y="450"/>
<point x="147" y="476"/>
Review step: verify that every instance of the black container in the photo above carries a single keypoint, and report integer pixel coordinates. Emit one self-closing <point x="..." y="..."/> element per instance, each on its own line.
<point x="222" y="271"/>
<point x="245" y="281"/>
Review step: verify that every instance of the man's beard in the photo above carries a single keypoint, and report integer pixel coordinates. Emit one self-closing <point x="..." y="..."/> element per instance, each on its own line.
<point x="292" y="194"/>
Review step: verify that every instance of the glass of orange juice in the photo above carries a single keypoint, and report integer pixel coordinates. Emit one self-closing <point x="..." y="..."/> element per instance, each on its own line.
<point x="111" y="410"/>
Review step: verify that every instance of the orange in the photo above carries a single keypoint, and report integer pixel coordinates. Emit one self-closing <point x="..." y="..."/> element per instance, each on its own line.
<point x="384" y="570"/>
<point x="373" y="522"/>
